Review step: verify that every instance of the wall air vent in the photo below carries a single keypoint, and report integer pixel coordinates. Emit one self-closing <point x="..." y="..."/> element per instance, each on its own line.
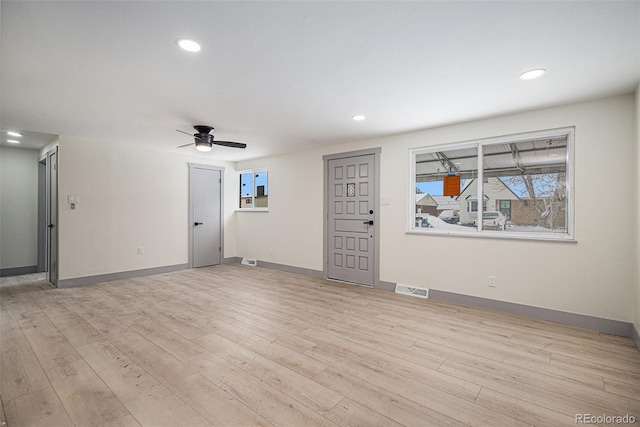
<point x="412" y="291"/>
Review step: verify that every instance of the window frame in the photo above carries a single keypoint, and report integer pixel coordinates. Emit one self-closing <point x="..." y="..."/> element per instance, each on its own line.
<point x="569" y="236"/>
<point x="253" y="208"/>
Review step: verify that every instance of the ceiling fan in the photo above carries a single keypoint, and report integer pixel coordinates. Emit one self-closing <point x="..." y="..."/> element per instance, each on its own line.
<point x="204" y="140"/>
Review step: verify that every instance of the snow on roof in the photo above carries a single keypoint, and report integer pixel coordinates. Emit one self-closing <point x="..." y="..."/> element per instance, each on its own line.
<point x="446" y="202"/>
<point x="425" y="200"/>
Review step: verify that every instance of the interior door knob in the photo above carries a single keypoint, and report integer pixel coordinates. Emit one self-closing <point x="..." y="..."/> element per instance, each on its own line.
<point x="197" y="223"/>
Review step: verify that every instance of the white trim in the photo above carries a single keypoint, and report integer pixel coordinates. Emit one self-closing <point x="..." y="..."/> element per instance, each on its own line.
<point x="489" y="234"/>
<point x="253" y="190"/>
<point x="480" y="201"/>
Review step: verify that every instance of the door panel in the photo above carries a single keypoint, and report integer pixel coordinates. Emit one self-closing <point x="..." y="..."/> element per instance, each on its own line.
<point x="351" y="232"/>
<point x="206" y="208"/>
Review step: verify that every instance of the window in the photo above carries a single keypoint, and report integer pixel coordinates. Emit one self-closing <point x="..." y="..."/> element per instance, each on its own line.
<point x="473" y="206"/>
<point x="525" y="183"/>
<point x="254" y="192"/>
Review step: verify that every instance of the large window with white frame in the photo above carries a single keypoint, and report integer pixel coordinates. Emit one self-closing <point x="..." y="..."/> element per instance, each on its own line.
<point x="517" y="186"/>
<point x="254" y="190"/>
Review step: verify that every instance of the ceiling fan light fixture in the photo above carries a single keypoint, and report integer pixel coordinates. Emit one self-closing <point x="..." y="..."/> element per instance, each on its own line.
<point x="533" y="74"/>
<point x="188" y="45"/>
<point x="358" y="117"/>
<point x="203" y="146"/>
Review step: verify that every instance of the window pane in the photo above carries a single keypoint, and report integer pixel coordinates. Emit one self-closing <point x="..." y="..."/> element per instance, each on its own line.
<point x="261" y="189"/>
<point x="433" y="210"/>
<point x="527" y="185"/>
<point x="246" y="190"/>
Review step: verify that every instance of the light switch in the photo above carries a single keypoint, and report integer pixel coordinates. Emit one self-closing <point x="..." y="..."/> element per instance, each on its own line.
<point x="74" y="199"/>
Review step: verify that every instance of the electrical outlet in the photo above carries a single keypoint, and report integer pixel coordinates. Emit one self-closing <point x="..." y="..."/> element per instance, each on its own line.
<point x="140" y="250"/>
<point x="492" y="281"/>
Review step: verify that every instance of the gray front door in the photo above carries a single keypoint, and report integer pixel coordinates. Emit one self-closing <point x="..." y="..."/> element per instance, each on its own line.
<point x="351" y="232"/>
<point x="205" y="184"/>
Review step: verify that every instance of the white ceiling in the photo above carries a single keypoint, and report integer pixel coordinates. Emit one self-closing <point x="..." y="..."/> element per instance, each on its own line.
<point x="285" y="76"/>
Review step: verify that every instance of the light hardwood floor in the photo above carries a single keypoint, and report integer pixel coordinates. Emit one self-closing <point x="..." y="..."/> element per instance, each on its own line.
<point x="236" y="346"/>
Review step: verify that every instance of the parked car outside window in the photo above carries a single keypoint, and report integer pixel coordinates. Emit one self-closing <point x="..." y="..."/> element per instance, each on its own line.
<point x="450" y="216"/>
<point x="494" y="220"/>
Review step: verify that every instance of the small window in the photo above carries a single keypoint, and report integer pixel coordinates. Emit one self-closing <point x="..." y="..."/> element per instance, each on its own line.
<point x="525" y="183"/>
<point x="254" y="193"/>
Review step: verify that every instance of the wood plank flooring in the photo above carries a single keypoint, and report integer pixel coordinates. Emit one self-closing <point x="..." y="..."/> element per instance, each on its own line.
<point x="239" y="346"/>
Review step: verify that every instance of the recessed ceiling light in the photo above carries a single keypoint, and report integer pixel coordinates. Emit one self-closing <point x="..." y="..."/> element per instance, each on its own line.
<point x="13" y="133"/>
<point x="188" y="45"/>
<point x="358" y="117"/>
<point x="533" y="74"/>
<point x="13" y="141"/>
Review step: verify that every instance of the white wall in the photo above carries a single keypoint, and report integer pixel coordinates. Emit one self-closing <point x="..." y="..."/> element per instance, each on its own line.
<point x="18" y="207"/>
<point x="636" y="320"/>
<point x="595" y="277"/>
<point x="129" y="197"/>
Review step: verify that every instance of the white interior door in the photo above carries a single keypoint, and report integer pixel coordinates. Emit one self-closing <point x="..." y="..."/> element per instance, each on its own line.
<point x="205" y="216"/>
<point x="350" y="222"/>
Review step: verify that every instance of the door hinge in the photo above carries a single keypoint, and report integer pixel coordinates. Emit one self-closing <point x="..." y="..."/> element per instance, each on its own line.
<point x="220" y="248"/>
<point x="220" y="180"/>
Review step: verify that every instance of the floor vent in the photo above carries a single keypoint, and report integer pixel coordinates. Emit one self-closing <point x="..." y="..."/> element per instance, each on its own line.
<point x="249" y="261"/>
<point x="414" y="292"/>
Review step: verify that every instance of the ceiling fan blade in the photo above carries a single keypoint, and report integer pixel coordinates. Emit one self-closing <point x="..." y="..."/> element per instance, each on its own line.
<point x="186" y="133"/>
<point x="230" y="144"/>
<point x="185" y="145"/>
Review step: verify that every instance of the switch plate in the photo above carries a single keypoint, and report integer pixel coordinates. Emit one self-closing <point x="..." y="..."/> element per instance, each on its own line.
<point x="140" y="250"/>
<point x="492" y="281"/>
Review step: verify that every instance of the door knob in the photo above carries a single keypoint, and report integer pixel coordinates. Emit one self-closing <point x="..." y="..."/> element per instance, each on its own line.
<point x="368" y="222"/>
<point x="197" y="223"/>
<point x="51" y="225"/>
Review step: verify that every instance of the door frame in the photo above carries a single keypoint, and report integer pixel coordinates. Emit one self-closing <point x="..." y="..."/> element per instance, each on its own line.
<point x="42" y="215"/>
<point x="220" y="169"/>
<point x="51" y="206"/>
<point x="376" y="209"/>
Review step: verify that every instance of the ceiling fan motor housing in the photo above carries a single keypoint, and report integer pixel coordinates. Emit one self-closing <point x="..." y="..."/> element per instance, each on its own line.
<point x="204" y="138"/>
<point x="203" y="129"/>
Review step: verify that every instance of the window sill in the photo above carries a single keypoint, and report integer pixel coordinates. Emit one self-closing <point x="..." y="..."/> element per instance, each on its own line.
<point x="549" y="237"/>
<point x="252" y="210"/>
